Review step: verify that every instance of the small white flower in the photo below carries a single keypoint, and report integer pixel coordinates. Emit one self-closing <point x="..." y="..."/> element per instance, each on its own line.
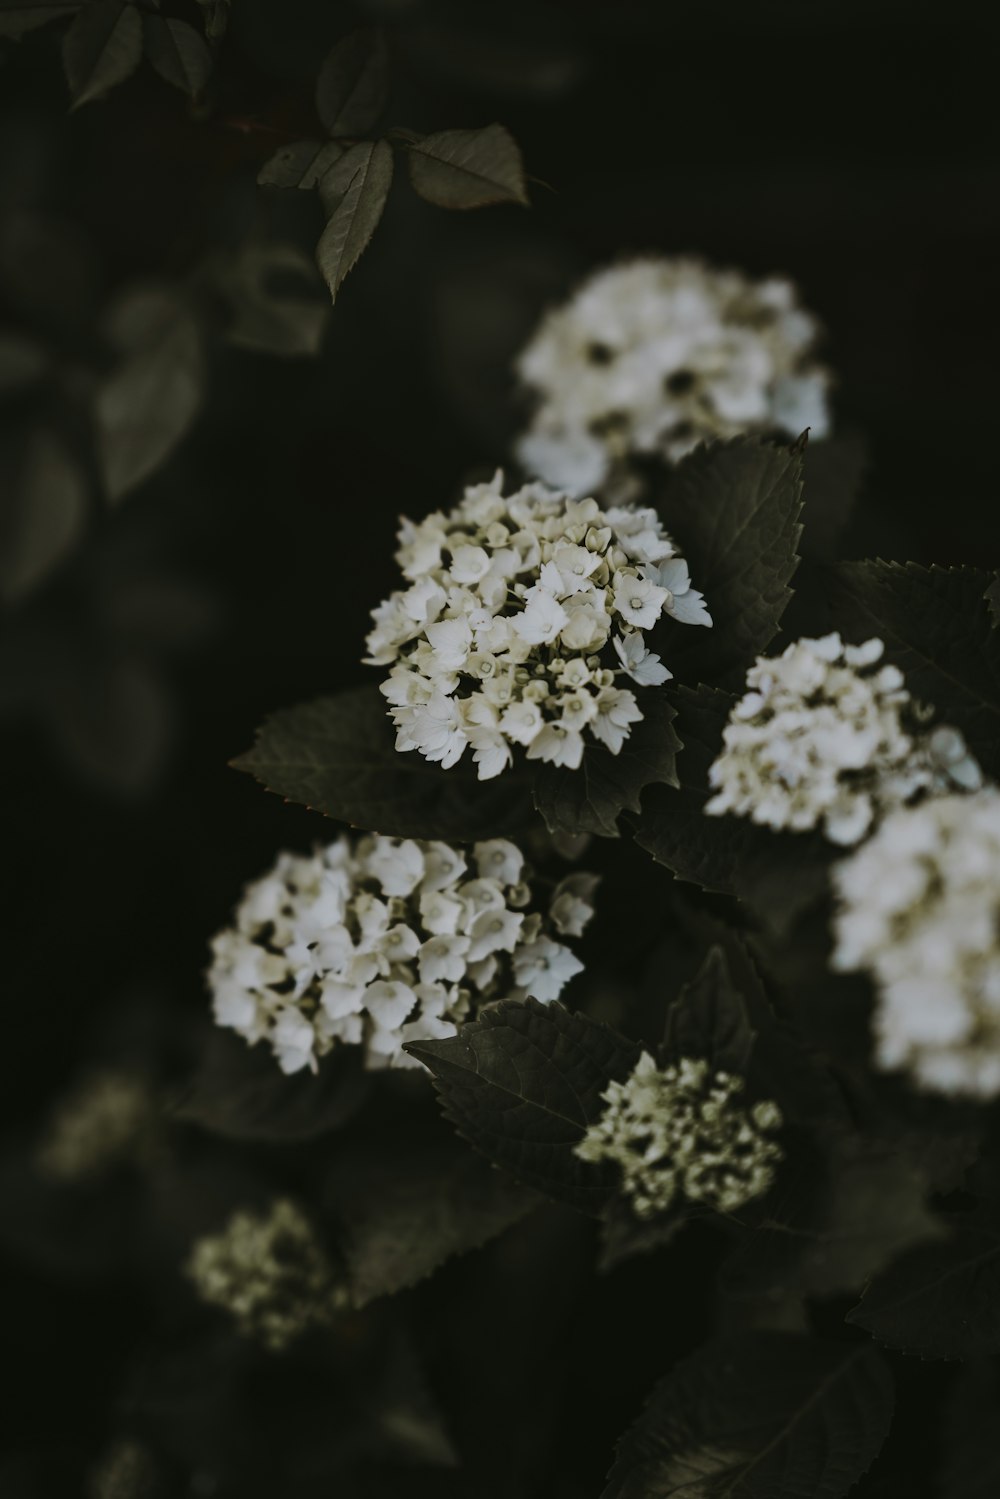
<point x="683" y="603"/>
<point x="617" y="710"/>
<point x="542" y="619"/>
<point x="398" y="866"/>
<point x="638" y="600"/>
<point x="572" y="904"/>
<point x="642" y="665"/>
<point x="559" y="745"/>
<point x="443" y="958"/>
<point x="542" y="968"/>
<point x="293" y="1039"/>
<point x="499" y="859"/>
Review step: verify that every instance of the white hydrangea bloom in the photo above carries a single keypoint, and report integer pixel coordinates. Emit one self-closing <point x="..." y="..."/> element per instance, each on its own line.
<point x="821" y="740"/>
<point x="657" y="355"/>
<point x="520" y="613"/>
<point x="376" y="941"/>
<point x="270" y="1273"/>
<point x="676" y="1133"/>
<point x="919" y="910"/>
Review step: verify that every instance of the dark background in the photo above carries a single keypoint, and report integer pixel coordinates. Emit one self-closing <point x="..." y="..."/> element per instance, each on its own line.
<point x="850" y="146"/>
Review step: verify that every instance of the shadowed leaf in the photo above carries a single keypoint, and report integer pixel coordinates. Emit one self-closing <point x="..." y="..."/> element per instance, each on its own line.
<point x="352" y="84"/>
<point x="354" y="191"/>
<point x="468" y="168"/>
<point x="101" y="48"/>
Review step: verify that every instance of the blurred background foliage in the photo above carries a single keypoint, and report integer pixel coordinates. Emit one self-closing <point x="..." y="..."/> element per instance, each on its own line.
<point x="165" y="585"/>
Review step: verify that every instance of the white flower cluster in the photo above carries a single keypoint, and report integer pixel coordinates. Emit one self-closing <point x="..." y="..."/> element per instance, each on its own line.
<point x="820" y="740"/>
<point x="656" y="356"/>
<point x="269" y="1273"/>
<point x="378" y="941"/>
<point x="919" y="909"/>
<point x="107" y="1120"/>
<point x="497" y="641"/>
<point x="677" y="1133"/>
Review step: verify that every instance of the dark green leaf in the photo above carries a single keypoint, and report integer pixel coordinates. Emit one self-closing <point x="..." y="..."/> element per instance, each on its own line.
<point x="338" y="755"/>
<point x="19" y="16"/>
<point x="240" y="1092"/>
<point x="942" y="1300"/>
<point x="43" y="508"/>
<point x="302" y="164"/>
<point x="468" y="168"/>
<point x="352" y="85"/>
<point x="178" y="53"/>
<point x="147" y="404"/>
<point x="709" y="1019"/>
<point x="591" y="799"/>
<point x="734" y="510"/>
<point x="354" y="191"/>
<point x="402" y="1213"/>
<point x="101" y="48"/>
<point x="522" y="1083"/>
<point x="937" y="629"/>
<point x="758" y="1416"/>
<point x="835" y="469"/>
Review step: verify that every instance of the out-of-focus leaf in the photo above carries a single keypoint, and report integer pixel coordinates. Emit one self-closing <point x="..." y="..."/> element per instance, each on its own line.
<point x="709" y="1019"/>
<point x="759" y="1415"/>
<point x="177" y="52"/>
<point x="43" y="509"/>
<point x="216" y="18"/>
<point x="401" y="1213"/>
<point x="337" y="754"/>
<point x="354" y="191"/>
<point x="112" y="718"/>
<point x="523" y="1083"/>
<point x="20" y="16"/>
<point x="302" y="164"/>
<point x="352" y="84"/>
<point x="147" y="404"/>
<point x="468" y="168"/>
<point x="22" y="362"/>
<point x="101" y="48"/>
<point x="267" y="314"/>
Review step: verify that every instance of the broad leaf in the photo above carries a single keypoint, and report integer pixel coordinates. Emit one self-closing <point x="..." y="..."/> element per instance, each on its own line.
<point x="338" y="755"/>
<point x="354" y="190"/>
<point x="468" y="168"/>
<point x="148" y="403"/>
<point x="302" y="164"/>
<point x="591" y="799"/>
<point x="101" y="48"/>
<point x="523" y="1083"/>
<point x="758" y="1416"/>
<point x="43" y="509"/>
<point x="240" y="1092"/>
<point x="734" y="510"/>
<point x="20" y="16"/>
<point x="938" y="630"/>
<point x="178" y="53"/>
<point x="942" y="1300"/>
<point x="401" y="1213"/>
<point x="352" y="84"/>
<point x="709" y="1019"/>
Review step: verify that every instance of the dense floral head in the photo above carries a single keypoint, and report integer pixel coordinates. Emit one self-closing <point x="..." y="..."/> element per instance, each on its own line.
<point x="521" y="615"/>
<point x="656" y="356"/>
<point x="919" y="909"/>
<point x="826" y="738"/>
<point x="376" y="941"/>
<point x="678" y="1134"/>
<point x="270" y="1273"/>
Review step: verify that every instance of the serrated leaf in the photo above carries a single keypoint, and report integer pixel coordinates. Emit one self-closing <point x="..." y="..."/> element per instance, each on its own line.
<point x="468" y="168"/>
<point x="303" y="164"/>
<point x="43" y="508"/>
<point x="779" y="874"/>
<point x="352" y="84"/>
<point x="522" y="1083"/>
<point x="354" y="191"/>
<point x="709" y="1019"/>
<point x="400" y="1215"/>
<point x="591" y="799"/>
<point x="337" y="755"/>
<point x="240" y="1092"/>
<point x="147" y="404"/>
<point x="938" y="630"/>
<point x="101" y="48"/>
<point x="941" y="1300"/>
<point x="758" y="1416"/>
<point x="734" y="509"/>
<point x="178" y="53"/>
<point x="20" y="16"/>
